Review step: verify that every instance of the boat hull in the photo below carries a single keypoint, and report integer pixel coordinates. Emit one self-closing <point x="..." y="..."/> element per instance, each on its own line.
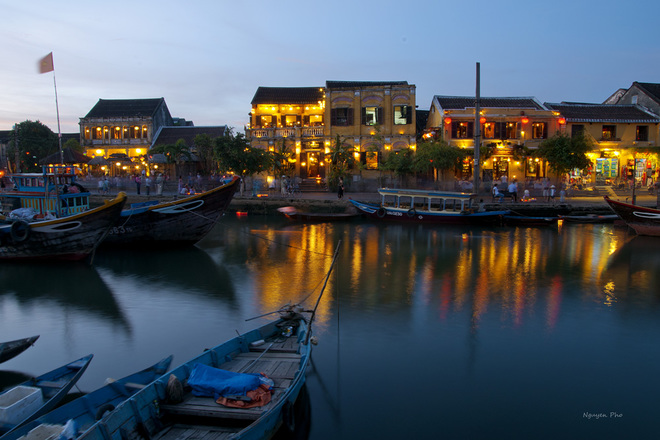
<point x="643" y="220"/>
<point x="425" y="217"/>
<point x="11" y="349"/>
<point x="178" y="223"/>
<point x="73" y="237"/>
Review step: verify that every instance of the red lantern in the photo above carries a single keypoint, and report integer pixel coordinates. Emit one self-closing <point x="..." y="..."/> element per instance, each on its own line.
<point x="447" y="121"/>
<point x="562" y="121"/>
<point x="482" y="120"/>
<point x="525" y="120"/>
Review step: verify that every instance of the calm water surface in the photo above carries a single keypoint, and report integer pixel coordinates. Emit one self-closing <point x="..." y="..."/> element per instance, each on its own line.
<point x="458" y="333"/>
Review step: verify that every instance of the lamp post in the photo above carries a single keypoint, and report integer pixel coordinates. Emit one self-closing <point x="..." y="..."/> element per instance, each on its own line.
<point x="477" y="134"/>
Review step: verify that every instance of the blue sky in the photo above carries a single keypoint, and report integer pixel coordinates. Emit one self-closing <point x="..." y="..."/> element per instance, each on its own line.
<point x="207" y="58"/>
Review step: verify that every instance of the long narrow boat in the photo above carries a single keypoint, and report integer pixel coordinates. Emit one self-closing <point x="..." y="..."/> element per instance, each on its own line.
<point x="244" y="388"/>
<point x="35" y="397"/>
<point x="433" y="207"/>
<point x="525" y="220"/>
<point x="11" y="349"/>
<point x="86" y="410"/>
<point x="73" y="237"/>
<point x="645" y="221"/>
<point x="178" y="223"/>
<point x="293" y="214"/>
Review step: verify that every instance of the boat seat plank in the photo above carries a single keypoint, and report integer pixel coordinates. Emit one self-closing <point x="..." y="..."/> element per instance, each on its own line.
<point x="178" y="432"/>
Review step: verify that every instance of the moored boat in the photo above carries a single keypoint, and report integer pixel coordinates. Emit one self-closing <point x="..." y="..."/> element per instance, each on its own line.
<point x="590" y="218"/>
<point x="11" y="349"/>
<point x="74" y="237"/>
<point x="35" y="397"/>
<point x="292" y="213"/>
<point x="432" y="207"/>
<point x="177" y="223"/>
<point x="645" y="221"/>
<point x="86" y="410"/>
<point x="524" y="220"/>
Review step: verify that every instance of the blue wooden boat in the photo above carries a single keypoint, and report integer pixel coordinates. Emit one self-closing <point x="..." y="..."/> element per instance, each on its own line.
<point x="11" y="349"/>
<point x="180" y="222"/>
<point x="528" y="220"/>
<point x="429" y="207"/>
<point x="74" y="237"/>
<point x="86" y="410"/>
<point x="53" y="192"/>
<point x="209" y="397"/>
<point x="27" y="401"/>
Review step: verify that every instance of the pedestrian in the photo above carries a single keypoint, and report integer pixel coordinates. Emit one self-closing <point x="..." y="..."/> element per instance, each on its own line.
<point x="497" y="193"/>
<point x="138" y="182"/>
<point x="100" y="185"/>
<point x="147" y="184"/>
<point x="513" y="190"/>
<point x="178" y="191"/>
<point x="340" y="188"/>
<point x="106" y="185"/>
<point x="551" y="195"/>
<point x="546" y="188"/>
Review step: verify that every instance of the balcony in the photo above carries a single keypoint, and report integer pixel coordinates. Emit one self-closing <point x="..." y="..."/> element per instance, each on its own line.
<point x="285" y="132"/>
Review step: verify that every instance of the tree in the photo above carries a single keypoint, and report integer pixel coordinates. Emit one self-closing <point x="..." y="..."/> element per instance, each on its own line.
<point x="234" y="153"/>
<point x="439" y="157"/>
<point x="73" y="144"/>
<point x="30" y="142"/>
<point x="204" y="145"/>
<point x="401" y="163"/>
<point x="341" y="159"/>
<point x="175" y="153"/>
<point x="565" y="153"/>
<point x="283" y="160"/>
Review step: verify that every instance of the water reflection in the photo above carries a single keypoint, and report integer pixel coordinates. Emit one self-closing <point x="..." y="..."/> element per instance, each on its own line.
<point x="515" y="271"/>
<point x="75" y="285"/>
<point x="633" y="272"/>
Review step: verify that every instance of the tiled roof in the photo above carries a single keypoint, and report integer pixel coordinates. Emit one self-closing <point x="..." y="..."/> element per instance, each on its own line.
<point x="578" y="112"/>
<point x="118" y="108"/>
<point x="288" y="95"/>
<point x="651" y="89"/>
<point x="463" y="102"/>
<point x="358" y="84"/>
<point x="170" y="135"/>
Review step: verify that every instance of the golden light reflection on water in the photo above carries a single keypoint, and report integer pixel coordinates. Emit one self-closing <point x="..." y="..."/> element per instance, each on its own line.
<point x="510" y="272"/>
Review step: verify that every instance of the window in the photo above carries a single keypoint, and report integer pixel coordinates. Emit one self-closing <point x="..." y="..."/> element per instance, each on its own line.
<point x="402" y="114"/>
<point x="642" y="133"/>
<point x="369" y="159"/>
<point x="134" y="132"/>
<point x="372" y="115"/>
<point x="577" y="130"/>
<point x="290" y="120"/>
<point x="266" y="121"/>
<point x="609" y="132"/>
<point x="312" y="120"/>
<point x="539" y="130"/>
<point x="506" y="130"/>
<point x="341" y="116"/>
<point x="489" y="130"/>
<point x="462" y="130"/>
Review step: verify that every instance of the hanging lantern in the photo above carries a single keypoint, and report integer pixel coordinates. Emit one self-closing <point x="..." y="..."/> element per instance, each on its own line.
<point x="562" y="121"/>
<point x="525" y="120"/>
<point x="447" y="121"/>
<point x="482" y="119"/>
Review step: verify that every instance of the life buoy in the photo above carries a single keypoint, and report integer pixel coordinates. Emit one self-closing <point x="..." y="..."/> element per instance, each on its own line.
<point x="19" y="231"/>
<point x="108" y="407"/>
<point x="381" y="212"/>
<point x="411" y="212"/>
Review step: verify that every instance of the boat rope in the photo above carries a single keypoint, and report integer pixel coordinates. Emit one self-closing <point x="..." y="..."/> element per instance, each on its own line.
<point x="318" y="300"/>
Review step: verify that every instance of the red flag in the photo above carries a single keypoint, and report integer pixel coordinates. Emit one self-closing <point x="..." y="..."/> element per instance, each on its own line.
<point x="46" y="64"/>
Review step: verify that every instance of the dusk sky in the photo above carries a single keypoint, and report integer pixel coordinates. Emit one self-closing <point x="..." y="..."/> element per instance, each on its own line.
<point x="207" y="58"/>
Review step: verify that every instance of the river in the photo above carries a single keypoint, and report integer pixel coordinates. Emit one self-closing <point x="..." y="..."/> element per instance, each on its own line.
<point x="424" y="332"/>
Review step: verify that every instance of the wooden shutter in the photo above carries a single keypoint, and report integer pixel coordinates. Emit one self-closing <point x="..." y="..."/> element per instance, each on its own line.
<point x="454" y="129"/>
<point x="409" y="114"/>
<point x="333" y="116"/>
<point x="306" y="120"/>
<point x="350" y="117"/>
<point x="470" y="130"/>
<point x="379" y="116"/>
<point x="363" y="118"/>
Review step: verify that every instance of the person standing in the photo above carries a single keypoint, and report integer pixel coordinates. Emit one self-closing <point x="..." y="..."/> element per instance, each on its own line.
<point x="340" y="188"/>
<point x="147" y="184"/>
<point x="513" y="190"/>
<point x="138" y="182"/>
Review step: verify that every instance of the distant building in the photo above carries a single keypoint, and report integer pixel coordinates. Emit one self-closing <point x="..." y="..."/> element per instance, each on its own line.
<point x="507" y="124"/>
<point x="123" y="126"/>
<point x="625" y="135"/>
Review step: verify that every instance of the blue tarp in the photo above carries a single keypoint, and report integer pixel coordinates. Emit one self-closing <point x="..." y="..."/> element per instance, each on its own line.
<point x="213" y="382"/>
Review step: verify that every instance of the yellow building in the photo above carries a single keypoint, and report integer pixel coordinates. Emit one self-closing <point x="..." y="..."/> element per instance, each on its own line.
<point x="507" y="125"/>
<point x="625" y="137"/>
<point x="369" y="117"/>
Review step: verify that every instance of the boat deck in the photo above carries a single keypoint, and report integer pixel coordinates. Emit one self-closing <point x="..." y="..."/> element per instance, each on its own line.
<point x="278" y="360"/>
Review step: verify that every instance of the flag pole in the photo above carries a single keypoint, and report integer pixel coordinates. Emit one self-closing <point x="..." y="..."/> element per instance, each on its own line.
<point x="59" y="131"/>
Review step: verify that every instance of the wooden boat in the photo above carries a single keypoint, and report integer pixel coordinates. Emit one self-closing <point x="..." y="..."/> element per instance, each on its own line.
<point x="74" y="237"/>
<point x="525" y="220"/>
<point x="225" y="391"/>
<point x="11" y="349"/>
<point x="54" y="192"/>
<point x="645" y="221"/>
<point x="35" y="397"/>
<point x="292" y="213"/>
<point x="86" y="410"/>
<point x="178" y="223"/>
<point x="432" y="207"/>
<point x="590" y="218"/>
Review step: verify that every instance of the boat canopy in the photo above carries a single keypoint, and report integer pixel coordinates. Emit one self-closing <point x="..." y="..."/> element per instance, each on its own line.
<point x="422" y="200"/>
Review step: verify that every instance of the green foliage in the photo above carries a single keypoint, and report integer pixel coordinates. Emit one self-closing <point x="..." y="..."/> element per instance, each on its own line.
<point x="234" y="154"/>
<point x="401" y="163"/>
<point x="30" y="142"/>
<point x="283" y="160"/>
<point x="438" y="155"/>
<point x="175" y="153"/>
<point x="565" y="153"/>
<point x="340" y="159"/>
<point x="204" y="146"/>
<point x="74" y="145"/>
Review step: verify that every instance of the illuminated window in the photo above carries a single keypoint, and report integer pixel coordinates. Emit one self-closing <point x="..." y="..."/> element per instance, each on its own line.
<point x="144" y="131"/>
<point x="313" y="120"/>
<point x="609" y="132"/>
<point x="462" y="130"/>
<point x="489" y="130"/>
<point x="539" y="130"/>
<point x="372" y="115"/>
<point x="402" y="114"/>
<point x="116" y="133"/>
<point x="369" y="159"/>
<point x="266" y="121"/>
<point x="134" y="132"/>
<point x="506" y="130"/>
<point x="291" y="120"/>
